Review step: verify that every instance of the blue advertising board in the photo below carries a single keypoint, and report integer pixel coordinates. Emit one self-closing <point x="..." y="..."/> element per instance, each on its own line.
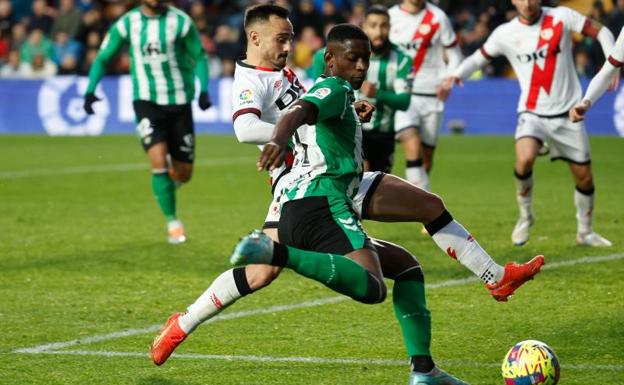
<point x="54" y="107"/>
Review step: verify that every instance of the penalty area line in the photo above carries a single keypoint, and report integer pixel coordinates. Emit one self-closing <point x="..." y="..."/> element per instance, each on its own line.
<point x="49" y="347"/>
<point x="310" y="360"/>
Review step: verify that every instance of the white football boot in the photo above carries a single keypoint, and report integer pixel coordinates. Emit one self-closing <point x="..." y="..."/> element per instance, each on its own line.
<point x="592" y="239"/>
<point x="176" y="232"/>
<point x="520" y="233"/>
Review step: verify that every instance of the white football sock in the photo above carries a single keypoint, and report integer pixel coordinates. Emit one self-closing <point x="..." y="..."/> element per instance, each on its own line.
<point x="222" y="293"/>
<point x="418" y="177"/>
<point x="455" y="241"/>
<point x="584" y="202"/>
<point x="524" y="192"/>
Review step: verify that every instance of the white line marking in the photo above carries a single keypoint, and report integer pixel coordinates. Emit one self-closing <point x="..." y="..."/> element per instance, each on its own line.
<point x="309" y="360"/>
<point x="121" y="167"/>
<point x="280" y="308"/>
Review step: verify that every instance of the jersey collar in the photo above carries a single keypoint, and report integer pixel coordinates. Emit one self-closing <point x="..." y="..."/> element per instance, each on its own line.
<point x="536" y="20"/>
<point x="241" y="63"/>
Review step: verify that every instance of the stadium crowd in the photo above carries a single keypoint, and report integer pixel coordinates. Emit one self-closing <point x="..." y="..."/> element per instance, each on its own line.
<point x="42" y="38"/>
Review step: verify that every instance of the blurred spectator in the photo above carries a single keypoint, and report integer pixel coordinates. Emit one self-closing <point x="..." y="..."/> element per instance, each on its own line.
<point x="308" y="43"/>
<point x="306" y="16"/>
<point x="599" y="13"/>
<point x="36" y="44"/>
<point x="18" y="35"/>
<point x="14" y="68"/>
<point x="66" y="50"/>
<point x="616" y="18"/>
<point x="89" y="57"/>
<point x="6" y="15"/>
<point x="331" y="13"/>
<point x="40" y="67"/>
<point x="583" y="64"/>
<point x="92" y="22"/>
<point x="357" y="16"/>
<point x="5" y="47"/>
<point x="40" y="18"/>
<point x="68" y="19"/>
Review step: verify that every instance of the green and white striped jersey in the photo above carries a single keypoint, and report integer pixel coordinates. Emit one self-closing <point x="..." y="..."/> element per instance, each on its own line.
<point x="389" y="74"/>
<point x="165" y="54"/>
<point x="328" y="155"/>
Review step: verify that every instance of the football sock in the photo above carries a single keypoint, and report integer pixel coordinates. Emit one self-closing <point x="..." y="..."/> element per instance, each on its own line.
<point x="224" y="291"/>
<point x="453" y="238"/>
<point x="164" y="190"/>
<point x="524" y="189"/>
<point x="337" y="272"/>
<point x="584" y="202"/>
<point x="415" y="174"/>
<point x="410" y="309"/>
<point x="422" y="364"/>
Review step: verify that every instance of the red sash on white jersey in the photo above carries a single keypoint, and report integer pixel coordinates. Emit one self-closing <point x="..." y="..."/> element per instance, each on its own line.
<point x="426" y="30"/>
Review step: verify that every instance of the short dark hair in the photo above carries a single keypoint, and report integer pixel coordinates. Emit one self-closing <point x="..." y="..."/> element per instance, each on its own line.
<point x="342" y="32"/>
<point x="377" y="9"/>
<point x="263" y="12"/>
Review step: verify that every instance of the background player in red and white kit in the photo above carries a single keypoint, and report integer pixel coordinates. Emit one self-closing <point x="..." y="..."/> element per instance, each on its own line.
<point x="607" y="78"/>
<point x="539" y="47"/>
<point x="424" y="33"/>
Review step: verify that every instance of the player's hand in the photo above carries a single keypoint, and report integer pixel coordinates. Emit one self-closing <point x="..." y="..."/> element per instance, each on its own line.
<point x="364" y="110"/>
<point x="615" y="82"/>
<point x="89" y="99"/>
<point x="204" y="101"/>
<point x="272" y="156"/>
<point x="577" y="113"/>
<point x="368" y="89"/>
<point x="444" y="89"/>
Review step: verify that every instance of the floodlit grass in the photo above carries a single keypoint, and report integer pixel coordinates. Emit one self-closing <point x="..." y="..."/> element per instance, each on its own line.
<point x="83" y="252"/>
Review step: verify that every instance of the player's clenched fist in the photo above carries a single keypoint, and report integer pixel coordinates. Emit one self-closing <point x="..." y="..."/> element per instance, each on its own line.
<point x="364" y="110"/>
<point x="577" y="113"/>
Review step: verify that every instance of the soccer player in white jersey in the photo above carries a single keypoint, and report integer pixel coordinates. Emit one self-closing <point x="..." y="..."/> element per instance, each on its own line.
<point x="380" y="196"/>
<point x="424" y="33"/>
<point x="538" y="45"/>
<point x="607" y="78"/>
<point x="165" y="56"/>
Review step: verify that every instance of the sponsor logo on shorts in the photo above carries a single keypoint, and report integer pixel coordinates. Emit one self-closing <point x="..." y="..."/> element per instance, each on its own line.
<point x="321" y="93"/>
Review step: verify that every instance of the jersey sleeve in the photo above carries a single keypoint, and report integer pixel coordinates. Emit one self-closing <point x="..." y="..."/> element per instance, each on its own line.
<point x="247" y="96"/>
<point x="116" y="37"/>
<point x="572" y="19"/>
<point x="617" y="55"/>
<point x="329" y="97"/>
<point x="493" y="46"/>
<point x="193" y="46"/>
<point x="318" y="64"/>
<point x="404" y="67"/>
<point x="448" y="37"/>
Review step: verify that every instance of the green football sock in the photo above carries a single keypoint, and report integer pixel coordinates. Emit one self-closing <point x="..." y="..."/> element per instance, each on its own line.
<point x="337" y="272"/>
<point x="164" y="190"/>
<point x="410" y="308"/>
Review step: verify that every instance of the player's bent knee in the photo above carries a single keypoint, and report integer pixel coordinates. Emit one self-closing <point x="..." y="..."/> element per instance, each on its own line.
<point x="433" y="206"/>
<point x="259" y="276"/>
<point x="376" y="293"/>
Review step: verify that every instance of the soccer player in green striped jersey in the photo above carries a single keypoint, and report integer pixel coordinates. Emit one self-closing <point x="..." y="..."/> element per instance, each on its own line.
<point x="385" y="87"/>
<point x="165" y="56"/>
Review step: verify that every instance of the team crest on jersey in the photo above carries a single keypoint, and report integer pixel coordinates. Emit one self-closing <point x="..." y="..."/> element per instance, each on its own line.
<point x="246" y="96"/>
<point x="152" y="52"/>
<point x="278" y="84"/>
<point x="424" y="29"/>
<point x="321" y="93"/>
<point x="547" y="34"/>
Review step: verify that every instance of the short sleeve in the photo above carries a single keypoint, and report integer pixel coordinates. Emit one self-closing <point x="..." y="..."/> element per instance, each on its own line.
<point x="448" y="37"/>
<point x="617" y="55"/>
<point x="329" y="97"/>
<point x="572" y="19"/>
<point x="247" y="96"/>
<point x="493" y="46"/>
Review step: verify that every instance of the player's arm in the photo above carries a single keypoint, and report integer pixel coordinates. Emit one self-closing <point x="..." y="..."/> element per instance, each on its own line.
<point x="597" y="31"/>
<point x="399" y="97"/>
<point x="193" y="46"/>
<point x="114" y="39"/>
<point x="250" y="128"/>
<point x="450" y="40"/>
<point x="602" y="81"/>
<point x="301" y="112"/>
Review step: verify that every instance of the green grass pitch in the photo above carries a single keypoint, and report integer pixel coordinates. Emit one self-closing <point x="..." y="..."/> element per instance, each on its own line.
<point x="83" y="254"/>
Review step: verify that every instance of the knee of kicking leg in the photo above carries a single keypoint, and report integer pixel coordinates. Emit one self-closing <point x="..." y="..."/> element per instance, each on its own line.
<point x="376" y="293"/>
<point x="433" y="207"/>
<point x="259" y="276"/>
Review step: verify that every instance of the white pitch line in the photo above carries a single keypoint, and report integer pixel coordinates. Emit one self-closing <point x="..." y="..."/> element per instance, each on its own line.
<point x="280" y="308"/>
<point x="121" y="167"/>
<point x="309" y="360"/>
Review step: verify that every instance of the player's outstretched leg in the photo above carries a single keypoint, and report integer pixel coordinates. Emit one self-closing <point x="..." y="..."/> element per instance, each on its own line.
<point x="337" y="272"/>
<point x="524" y="189"/>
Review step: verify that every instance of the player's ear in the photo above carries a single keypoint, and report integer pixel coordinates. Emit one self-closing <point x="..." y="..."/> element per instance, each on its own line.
<point x="328" y="58"/>
<point x="253" y="37"/>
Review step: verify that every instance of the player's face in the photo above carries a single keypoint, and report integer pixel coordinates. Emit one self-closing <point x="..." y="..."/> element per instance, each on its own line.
<point x="418" y="4"/>
<point x="377" y="27"/>
<point x="349" y="61"/>
<point x="528" y="10"/>
<point x="154" y="4"/>
<point x="275" y="41"/>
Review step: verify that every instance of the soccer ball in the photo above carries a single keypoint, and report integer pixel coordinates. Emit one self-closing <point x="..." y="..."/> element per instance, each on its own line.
<point x="531" y="363"/>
